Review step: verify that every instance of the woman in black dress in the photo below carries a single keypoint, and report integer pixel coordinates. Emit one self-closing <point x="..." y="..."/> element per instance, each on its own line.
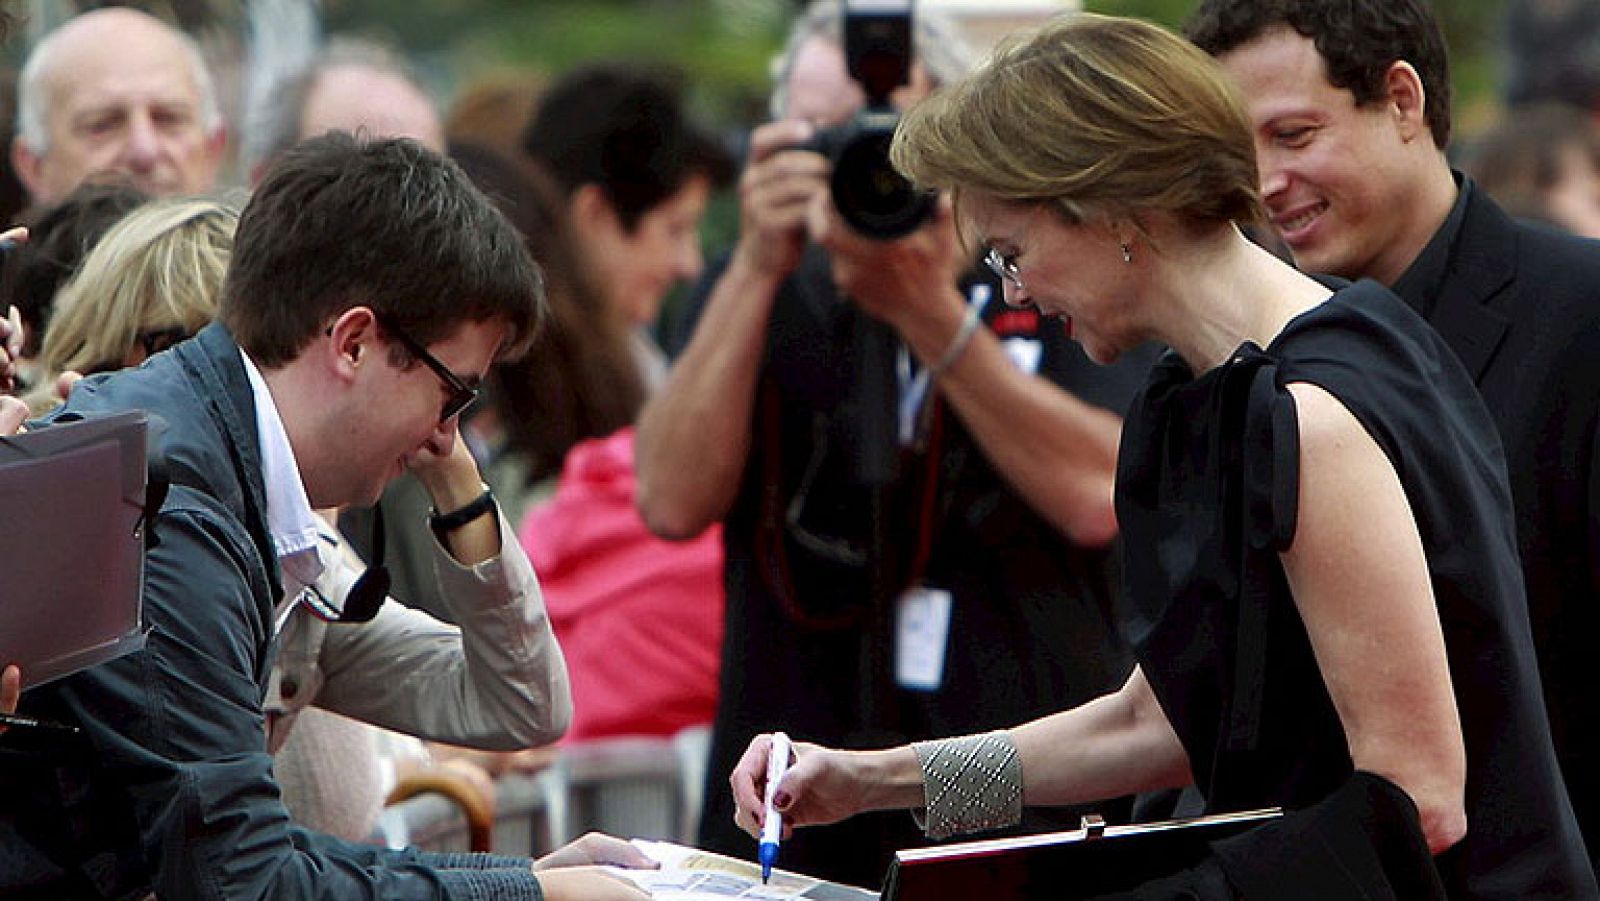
<point x="1320" y="564"/>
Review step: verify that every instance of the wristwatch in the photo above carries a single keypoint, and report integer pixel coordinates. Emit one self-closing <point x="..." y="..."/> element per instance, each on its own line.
<point x="445" y="523"/>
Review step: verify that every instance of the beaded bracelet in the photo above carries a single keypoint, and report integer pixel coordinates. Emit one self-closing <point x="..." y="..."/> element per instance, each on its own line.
<point x="970" y="783"/>
<point x="969" y="327"/>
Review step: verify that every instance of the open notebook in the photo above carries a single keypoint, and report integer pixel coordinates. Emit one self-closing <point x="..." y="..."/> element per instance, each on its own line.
<point x="690" y="874"/>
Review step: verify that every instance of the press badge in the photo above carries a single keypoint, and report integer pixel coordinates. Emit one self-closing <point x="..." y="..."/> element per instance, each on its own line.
<point x="921" y="633"/>
<point x="1024" y="353"/>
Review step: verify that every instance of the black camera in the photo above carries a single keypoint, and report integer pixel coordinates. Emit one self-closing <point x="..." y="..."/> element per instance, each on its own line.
<point x="870" y="195"/>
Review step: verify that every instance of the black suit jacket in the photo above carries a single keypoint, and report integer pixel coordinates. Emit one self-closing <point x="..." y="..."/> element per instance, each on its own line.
<point x="1520" y="305"/>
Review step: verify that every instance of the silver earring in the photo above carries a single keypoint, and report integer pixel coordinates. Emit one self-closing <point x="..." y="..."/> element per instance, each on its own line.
<point x="1127" y="253"/>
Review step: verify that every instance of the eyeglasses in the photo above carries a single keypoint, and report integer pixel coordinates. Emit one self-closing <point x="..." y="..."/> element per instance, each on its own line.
<point x="462" y="395"/>
<point x="1005" y="267"/>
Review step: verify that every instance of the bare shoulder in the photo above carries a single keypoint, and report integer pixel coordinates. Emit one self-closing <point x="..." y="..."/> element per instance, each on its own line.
<point x="1349" y="489"/>
<point x="1325" y="422"/>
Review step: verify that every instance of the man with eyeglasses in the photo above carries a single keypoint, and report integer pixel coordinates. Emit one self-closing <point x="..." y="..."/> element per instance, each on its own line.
<point x="964" y="593"/>
<point x="370" y="289"/>
<point x="495" y="681"/>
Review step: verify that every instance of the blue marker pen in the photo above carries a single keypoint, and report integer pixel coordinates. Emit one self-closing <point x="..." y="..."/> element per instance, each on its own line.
<point x="772" y="827"/>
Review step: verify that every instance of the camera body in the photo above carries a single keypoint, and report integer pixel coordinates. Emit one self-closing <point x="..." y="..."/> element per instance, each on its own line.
<point x="870" y="195"/>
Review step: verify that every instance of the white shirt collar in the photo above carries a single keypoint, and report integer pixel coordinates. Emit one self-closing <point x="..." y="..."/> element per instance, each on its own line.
<point x="291" y="522"/>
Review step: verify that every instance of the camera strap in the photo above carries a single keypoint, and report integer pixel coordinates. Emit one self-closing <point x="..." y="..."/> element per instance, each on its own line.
<point x="771" y="545"/>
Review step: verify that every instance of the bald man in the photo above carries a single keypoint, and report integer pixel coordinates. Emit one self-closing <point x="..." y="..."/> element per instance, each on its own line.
<point x="354" y="85"/>
<point x="116" y="93"/>
<point x="382" y="102"/>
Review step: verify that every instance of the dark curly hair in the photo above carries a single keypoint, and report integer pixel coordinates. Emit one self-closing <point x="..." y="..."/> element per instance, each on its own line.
<point x="1358" y="41"/>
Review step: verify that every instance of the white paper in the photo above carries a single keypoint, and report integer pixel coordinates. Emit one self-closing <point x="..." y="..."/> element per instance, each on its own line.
<point x="689" y="874"/>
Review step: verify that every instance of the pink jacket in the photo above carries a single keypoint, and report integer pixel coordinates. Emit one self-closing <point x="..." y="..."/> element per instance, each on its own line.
<point x="639" y="619"/>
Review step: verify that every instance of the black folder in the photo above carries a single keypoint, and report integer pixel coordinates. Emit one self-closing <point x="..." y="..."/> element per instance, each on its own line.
<point x="1061" y="866"/>
<point x="71" y="549"/>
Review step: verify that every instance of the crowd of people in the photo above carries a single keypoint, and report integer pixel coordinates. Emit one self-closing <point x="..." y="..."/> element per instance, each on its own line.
<point x="1212" y="443"/>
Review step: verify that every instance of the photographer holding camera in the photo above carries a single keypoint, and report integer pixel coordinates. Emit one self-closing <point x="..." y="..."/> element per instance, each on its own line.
<point x="917" y="528"/>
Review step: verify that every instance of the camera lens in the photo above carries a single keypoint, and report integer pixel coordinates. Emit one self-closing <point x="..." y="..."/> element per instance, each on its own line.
<point x="870" y="195"/>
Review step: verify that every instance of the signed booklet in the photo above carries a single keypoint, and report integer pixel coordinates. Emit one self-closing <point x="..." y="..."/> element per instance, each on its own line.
<point x="689" y="874"/>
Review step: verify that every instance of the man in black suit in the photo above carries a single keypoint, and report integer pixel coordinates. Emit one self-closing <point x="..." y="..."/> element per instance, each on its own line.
<point x="1350" y="102"/>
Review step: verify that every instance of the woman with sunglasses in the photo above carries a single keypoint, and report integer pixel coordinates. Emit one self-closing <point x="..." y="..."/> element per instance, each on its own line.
<point x="151" y="282"/>
<point x="1320" y="566"/>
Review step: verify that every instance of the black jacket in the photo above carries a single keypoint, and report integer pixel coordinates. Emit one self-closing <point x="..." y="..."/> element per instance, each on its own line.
<point x="1520" y="305"/>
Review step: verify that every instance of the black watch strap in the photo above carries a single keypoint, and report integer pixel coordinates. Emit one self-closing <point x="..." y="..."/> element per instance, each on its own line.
<point x="444" y="523"/>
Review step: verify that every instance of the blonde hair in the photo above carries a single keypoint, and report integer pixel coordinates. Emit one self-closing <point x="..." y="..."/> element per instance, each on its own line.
<point x="1099" y="117"/>
<point x="160" y="267"/>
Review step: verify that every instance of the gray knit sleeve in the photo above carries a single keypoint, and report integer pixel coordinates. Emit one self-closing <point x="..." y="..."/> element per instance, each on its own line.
<point x="492" y="884"/>
<point x="463" y="861"/>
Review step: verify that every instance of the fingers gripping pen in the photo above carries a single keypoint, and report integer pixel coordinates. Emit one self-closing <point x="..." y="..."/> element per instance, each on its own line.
<point x="772" y="826"/>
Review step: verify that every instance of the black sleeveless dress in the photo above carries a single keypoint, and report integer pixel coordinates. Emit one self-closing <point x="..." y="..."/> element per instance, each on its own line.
<point x="1206" y="496"/>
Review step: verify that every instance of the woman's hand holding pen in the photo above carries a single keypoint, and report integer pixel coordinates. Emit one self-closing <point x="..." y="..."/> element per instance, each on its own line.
<point x="823" y="785"/>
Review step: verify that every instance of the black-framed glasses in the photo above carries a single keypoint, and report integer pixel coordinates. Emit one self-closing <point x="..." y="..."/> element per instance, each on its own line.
<point x="1005" y="267"/>
<point x="462" y="395"/>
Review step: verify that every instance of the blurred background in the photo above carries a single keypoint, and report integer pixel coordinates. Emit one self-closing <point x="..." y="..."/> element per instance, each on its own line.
<point x="723" y="46"/>
<point x="1503" y="51"/>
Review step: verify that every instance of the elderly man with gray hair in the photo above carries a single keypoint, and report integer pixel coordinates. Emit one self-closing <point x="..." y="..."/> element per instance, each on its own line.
<point x="116" y="93"/>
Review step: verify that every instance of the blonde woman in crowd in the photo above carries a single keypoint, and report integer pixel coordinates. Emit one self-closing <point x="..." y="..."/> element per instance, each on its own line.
<point x="151" y="282"/>
<point x="1321" y="575"/>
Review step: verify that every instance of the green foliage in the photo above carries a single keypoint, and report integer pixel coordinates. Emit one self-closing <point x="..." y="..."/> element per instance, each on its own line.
<point x="1471" y="27"/>
<point x="1168" y="12"/>
<point x="721" y="46"/>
